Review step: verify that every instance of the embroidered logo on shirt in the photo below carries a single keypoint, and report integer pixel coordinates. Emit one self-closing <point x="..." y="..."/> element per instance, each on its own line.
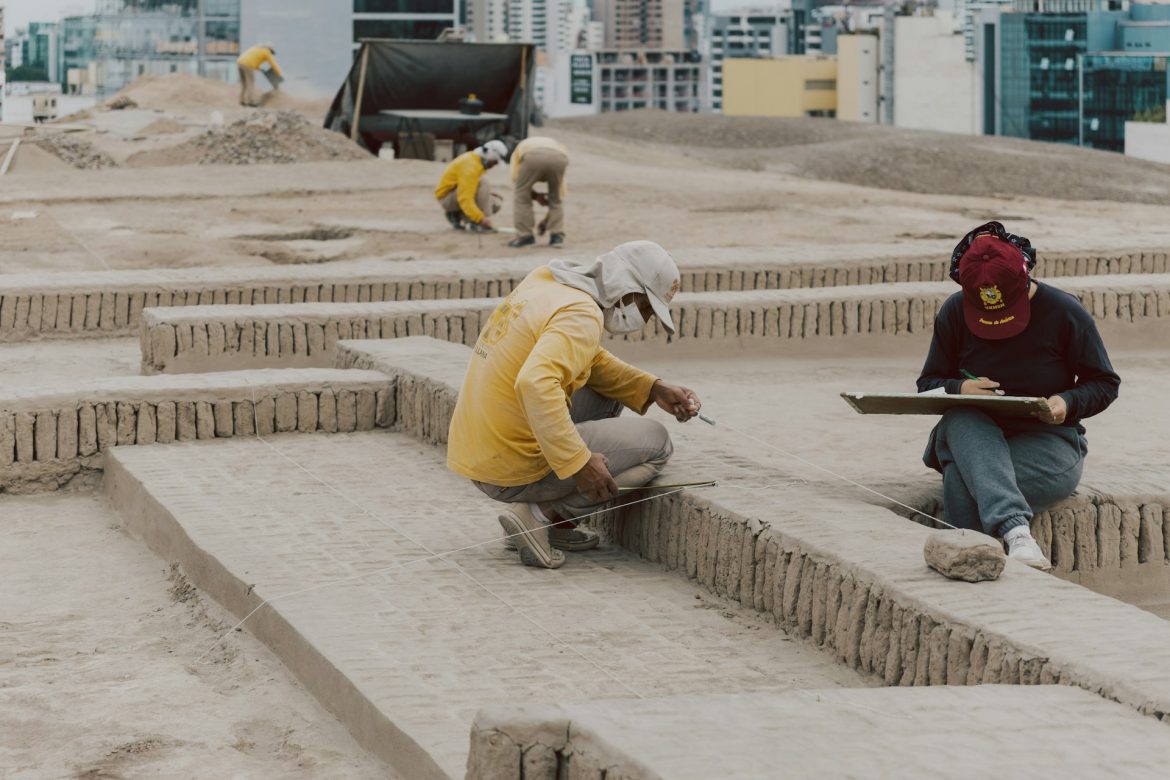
<point x="991" y="296"/>
<point x="501" y="320"/>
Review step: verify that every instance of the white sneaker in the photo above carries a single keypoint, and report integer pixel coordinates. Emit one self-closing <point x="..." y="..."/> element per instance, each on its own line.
<point x="1023" y="548"/>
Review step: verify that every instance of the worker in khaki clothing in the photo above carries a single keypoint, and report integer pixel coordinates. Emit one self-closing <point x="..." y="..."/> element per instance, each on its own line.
<point x="462" y="191"/>
<point x="249" y="62"/>
<point x="536" y="424"/>
<point x="539" y="159"/>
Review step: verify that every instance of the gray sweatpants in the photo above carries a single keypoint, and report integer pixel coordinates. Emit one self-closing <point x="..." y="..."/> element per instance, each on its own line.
<point x="997" y="475"/>
<point x="636" y="448"/>
<point x="483" y="199"/>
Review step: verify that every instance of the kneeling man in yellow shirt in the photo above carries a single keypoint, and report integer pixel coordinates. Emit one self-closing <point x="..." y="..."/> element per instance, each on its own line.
<point x="536" y="424"/>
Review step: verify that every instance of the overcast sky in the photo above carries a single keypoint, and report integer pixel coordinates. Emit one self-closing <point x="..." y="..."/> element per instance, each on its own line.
<point x="18" y="13"/>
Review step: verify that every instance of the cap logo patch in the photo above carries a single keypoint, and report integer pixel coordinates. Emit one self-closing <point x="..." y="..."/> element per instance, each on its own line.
<point x="991" y="296"/>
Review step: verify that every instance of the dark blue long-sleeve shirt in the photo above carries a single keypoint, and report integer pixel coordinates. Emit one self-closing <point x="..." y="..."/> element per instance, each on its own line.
<point x="1059" y="353"/>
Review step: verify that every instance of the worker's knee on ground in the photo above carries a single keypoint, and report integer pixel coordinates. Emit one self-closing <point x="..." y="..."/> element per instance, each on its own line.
<point x="658" y="440"/>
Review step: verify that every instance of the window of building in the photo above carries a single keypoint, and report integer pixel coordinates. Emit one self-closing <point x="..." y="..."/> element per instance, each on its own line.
<point x="820" y="84"/>
<point x="416" y="29"/>
<point x="403" y="6"/>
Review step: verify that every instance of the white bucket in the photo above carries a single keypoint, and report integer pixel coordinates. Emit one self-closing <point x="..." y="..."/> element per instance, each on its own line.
<point x="386" y="152"/>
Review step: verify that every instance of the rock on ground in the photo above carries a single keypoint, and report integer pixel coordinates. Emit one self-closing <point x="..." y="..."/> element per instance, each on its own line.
<point x="964" y="555"/>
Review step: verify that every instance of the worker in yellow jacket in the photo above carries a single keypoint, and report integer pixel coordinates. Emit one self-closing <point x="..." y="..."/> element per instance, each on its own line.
<point x="462" y="192"/>
<point x="536" y="159"/>
<point x="536" y="424"/>
<point x="251" y="61"/>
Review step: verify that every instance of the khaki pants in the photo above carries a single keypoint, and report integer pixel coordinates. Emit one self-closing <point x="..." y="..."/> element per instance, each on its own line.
<point x="483" y="199"/>
<point x="247" y="86"/>
<point x="636" y="449"/>
<point x="547" y="165"/>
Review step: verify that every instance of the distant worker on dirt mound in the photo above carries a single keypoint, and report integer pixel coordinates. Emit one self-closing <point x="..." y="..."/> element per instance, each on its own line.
<point x="462" y="192"/>
<point x="539" y="159"/>
<point x="251" y="61"/>
<point x="515" y="432"/>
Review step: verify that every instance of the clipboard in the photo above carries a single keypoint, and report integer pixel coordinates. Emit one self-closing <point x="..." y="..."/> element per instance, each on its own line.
<point x="933" y="403"/>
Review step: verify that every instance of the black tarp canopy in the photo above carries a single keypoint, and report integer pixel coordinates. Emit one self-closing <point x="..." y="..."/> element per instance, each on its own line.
<point x="394" y="74"/>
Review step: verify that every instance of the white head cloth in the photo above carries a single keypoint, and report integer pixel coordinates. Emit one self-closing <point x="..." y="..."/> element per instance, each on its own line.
<point x="633" y="267"/>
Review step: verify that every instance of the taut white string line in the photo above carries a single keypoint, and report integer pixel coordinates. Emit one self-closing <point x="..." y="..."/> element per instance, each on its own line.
<point x="841" y="477"/>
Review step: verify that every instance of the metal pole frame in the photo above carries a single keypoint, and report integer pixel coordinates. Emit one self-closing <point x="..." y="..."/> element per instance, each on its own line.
<point x="357" y="106"/>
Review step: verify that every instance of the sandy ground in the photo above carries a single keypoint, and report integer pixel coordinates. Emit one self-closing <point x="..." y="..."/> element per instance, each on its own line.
<point x="100" y="668"/>
<point x="245" y="215"/>
<point x="46" y="363"/>
<point x="98" y="646"/>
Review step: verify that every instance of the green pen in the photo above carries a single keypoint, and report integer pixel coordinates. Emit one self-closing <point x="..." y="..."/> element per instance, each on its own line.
<point x="969" y="375"/>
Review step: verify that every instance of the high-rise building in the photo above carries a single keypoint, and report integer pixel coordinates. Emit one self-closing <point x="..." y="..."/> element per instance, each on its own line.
<point x="135" y="38"/>
<point x="666" y="80"/>
<point x="751" y="33"/>
<point x="487" y="20"/>
<point x="1056" y="70"/>
<point x="76" y="52"/>
<point x="643" y="24"/>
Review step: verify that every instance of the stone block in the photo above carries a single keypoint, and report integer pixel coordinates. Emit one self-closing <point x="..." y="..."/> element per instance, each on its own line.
<point x="167" y="417"/>
<point x="146" y="431"/>
<point x="964" y="555"/>
<point x="185" y="421"/>
<point x="87" y="443"/>
<point x="127" y="423"/>
<point x="204" y="420"/>
<point x="46" y="435"/>
<point x="286" y="412"/>
<point x="224" y="423"/>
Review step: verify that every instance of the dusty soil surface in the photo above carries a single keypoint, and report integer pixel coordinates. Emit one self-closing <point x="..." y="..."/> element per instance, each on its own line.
<point x="196" y="215"/>
<point x="889" y="157"/>
<point x="262" y="137"/>
<point x="101" y="669"/>
<point x="48" y="363"/>
<point x="643" y="175"/>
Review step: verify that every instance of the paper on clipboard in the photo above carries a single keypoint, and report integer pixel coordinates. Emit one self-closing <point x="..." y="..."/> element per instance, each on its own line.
<point x="930" y="403"/>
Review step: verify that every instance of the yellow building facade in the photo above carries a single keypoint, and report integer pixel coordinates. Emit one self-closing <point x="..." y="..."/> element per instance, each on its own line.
<point x="784" y="86"/>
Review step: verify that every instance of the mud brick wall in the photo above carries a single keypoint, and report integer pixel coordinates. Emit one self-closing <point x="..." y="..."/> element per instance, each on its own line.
<point x="218" y="338"/>
<point x="110" y="303"/>
<point x="845" y="578"/>
<point x="223" y="338"/>
<point x="48" y="438"/>
<point x="1110" y="534"/>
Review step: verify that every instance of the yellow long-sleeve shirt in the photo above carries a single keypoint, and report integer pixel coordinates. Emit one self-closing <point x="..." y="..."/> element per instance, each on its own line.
<point x="543" y="343"/>
<point x="537" y="142"/>
<point x="256" y="56"/>
<point x="462" y="175"/>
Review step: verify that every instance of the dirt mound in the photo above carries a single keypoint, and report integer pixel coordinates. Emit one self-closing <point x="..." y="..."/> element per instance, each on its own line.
<point x="261" y="137"/>
<point x="177" y="90"/>
<point x="76" y="151"/>
<point x="187" y="92"/>
<point x="163" y="126"/>
<point x="889" y="157"/>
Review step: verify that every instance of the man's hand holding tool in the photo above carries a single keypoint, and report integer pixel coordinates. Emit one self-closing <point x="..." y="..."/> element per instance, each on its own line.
<point x="677" y="400"/>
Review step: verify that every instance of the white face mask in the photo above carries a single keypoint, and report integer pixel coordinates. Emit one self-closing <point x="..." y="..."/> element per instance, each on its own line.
<point x="624" y="318"/>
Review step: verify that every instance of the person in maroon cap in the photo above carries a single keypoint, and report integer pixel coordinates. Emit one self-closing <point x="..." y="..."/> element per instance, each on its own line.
<point x="1022" y="338"/>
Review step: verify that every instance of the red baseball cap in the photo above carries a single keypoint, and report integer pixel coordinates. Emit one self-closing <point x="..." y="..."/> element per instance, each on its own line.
<point x="994" y="276"/>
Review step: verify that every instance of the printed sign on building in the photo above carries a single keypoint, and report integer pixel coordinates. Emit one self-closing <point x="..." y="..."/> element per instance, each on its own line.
<point x="581" y="78"/>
